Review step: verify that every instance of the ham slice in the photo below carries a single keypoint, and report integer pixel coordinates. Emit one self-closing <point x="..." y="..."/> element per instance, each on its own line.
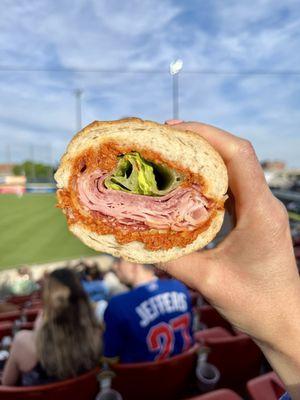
<point x="180" y="210"/>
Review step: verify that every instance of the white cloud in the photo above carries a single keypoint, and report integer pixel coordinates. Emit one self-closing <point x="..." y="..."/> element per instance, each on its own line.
<point x="38" y="107"/>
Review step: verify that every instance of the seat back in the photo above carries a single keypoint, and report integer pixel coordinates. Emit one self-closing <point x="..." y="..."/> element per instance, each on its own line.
<point x="10" y="316"/>
<point x="31" y="313"/>
<point x="5" y="329"/>
<point x="160" y="380"/>
<point x="265" y="387"/>
<point x="19" y="300"/>
<point x="211" y="318"/>
<point x="83" y="387"/>
<point x="238" y="359"/>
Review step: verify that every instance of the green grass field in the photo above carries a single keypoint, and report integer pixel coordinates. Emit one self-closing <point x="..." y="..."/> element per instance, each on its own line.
<point x="33" y="230"/>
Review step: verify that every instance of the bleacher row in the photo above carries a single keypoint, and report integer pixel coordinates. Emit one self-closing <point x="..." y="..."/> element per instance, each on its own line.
<point x="234" y="354"/>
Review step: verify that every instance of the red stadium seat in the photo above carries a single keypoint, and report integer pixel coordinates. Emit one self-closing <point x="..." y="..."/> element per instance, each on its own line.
<point x="83" y="387"/>
<point x="27" y="325"/>
<point x="265" y="387"/>
<point x="161" y="380"/>
<point x="211" y="318"/>
<point x="35" y="304"/>
<point x="297" y="252"/>
<point x="19" y="300"/>
<point x="195" y="297"/>
<point x="237" y="357"/>
<point x="10" y="316"/>
<point x="30" y="314"/>
<point x="5" y="329"/>
<point x="221" y="394"/>
<point x="211" y="333"/>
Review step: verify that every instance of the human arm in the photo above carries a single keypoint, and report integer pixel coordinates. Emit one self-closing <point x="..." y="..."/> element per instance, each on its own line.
<point x="11" y="370"/>
<point x="38" y="321"/>
<point x="251" y="278"/>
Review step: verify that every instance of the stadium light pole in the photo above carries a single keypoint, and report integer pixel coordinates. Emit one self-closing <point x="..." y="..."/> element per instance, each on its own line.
<point x="51" y="169"/>
<point x="78" y="94"/>
<point x="175" y="68"/>
<point x="33" y="174"/>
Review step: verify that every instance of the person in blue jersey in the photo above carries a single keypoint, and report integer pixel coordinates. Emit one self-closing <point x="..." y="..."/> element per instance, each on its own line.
<point x="151" y="322"/>
<point x="94" y="285"/>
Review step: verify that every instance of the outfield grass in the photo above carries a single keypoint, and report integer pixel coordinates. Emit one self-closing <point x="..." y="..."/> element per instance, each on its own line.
<point x="33" y="230"/>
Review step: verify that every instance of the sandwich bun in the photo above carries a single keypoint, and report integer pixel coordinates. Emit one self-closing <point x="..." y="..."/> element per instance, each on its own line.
<point x="186" y="149"/>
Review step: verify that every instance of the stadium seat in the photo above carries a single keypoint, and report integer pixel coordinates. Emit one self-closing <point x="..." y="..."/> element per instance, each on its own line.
<point x="216" y="332"/>
<point x="27" y="325"/>
<point x="37" y="303"/>
<point x="162" y="380"/>
<point x="10" y="316"/>
<point x="5" y="329"/>
<point x="83" y="387"/>
<point x="265" y="387"/>
<point x="237" y="357"/>
<point x="7" y="307"/>
<point x="195" y="297"/>
<point x="30" y="314"/>
<point x="19" y="300"/>
<point x="211" y="318"/>
<point x="221" y="394"/>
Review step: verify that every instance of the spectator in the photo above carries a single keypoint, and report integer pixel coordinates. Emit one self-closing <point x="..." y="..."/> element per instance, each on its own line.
<point x="94" y="285"/>
<point x="113" y="283"/>
<point x="25" y="283"/>
<point x="65" y="341"/>
<point x="150" y="322"/>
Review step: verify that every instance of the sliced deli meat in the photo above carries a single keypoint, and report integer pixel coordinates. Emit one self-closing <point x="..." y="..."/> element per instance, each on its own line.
<point x="182" y="209"/>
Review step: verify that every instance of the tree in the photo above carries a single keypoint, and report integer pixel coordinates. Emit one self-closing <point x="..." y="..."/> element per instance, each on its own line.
<point x="34" y="171"/>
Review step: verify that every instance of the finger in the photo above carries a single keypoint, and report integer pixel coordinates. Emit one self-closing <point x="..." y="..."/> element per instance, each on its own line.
<point x="246" y="177"/>
<point x="194" y="269"/>
<point x="173" y="121"/>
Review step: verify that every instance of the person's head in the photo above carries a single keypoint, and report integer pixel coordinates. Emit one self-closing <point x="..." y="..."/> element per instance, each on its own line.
<point x="68" y="341"/>
<point x="94" y="273"/>
<point x="132" y="274"/>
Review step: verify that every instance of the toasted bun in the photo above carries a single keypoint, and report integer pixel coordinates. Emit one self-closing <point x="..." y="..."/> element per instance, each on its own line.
<point x="187" y="149"/>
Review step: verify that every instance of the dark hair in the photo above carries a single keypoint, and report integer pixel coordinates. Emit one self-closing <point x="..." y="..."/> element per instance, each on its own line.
<point x="69" y="340"/>
<point x="149" y="267"/>
<point x="94" y="272"/>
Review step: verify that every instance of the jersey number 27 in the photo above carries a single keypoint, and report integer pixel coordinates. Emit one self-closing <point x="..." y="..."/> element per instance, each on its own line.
<point x="161" y="337"/>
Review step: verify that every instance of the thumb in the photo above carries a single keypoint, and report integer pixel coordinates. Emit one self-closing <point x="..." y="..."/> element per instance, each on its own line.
<point x="195" y="269"/>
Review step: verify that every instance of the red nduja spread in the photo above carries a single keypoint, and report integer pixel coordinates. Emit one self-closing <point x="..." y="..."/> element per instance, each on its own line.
<point x="104" y="159"/>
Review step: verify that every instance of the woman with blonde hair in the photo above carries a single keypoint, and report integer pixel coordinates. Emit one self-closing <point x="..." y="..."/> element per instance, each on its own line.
<point x="66" y="340"/>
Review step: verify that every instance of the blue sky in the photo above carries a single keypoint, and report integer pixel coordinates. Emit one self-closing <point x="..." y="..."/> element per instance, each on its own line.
<point x="224" y="38"/>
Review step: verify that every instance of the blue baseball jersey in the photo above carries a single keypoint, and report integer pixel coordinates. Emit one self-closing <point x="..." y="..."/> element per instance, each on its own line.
<point x="96" y="290"/>
<point x="151" y="322"/>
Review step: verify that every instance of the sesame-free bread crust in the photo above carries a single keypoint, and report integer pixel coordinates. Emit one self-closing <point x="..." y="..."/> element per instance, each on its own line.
<point x="184" y="148"/>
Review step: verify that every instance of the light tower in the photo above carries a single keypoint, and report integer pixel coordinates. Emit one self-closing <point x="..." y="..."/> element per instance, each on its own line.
<point x="78" y="110"/>
<point x="175" y="68"/>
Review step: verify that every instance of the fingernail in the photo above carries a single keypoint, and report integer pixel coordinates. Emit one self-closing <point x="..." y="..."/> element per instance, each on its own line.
<point x="173" y="121"/>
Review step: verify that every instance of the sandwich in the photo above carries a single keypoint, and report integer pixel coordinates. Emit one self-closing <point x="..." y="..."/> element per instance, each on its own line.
<point x="142" y="191"/>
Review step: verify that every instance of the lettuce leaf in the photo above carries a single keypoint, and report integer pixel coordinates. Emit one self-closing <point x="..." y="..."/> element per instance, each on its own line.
<point x="136" y="175"/>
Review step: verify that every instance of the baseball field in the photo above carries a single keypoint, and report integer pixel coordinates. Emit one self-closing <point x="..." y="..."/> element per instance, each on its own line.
<point x="33" y="230"/>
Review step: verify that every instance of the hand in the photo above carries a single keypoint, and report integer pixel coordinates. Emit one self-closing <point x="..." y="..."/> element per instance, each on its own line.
<point x="251" y="277"/>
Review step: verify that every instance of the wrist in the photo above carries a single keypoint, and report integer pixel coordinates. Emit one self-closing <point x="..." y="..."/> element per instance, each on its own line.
<point x="282" y="348"/>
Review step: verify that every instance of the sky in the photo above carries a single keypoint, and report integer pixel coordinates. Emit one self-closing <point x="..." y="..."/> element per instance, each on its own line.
<point x="241" y="69"/>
